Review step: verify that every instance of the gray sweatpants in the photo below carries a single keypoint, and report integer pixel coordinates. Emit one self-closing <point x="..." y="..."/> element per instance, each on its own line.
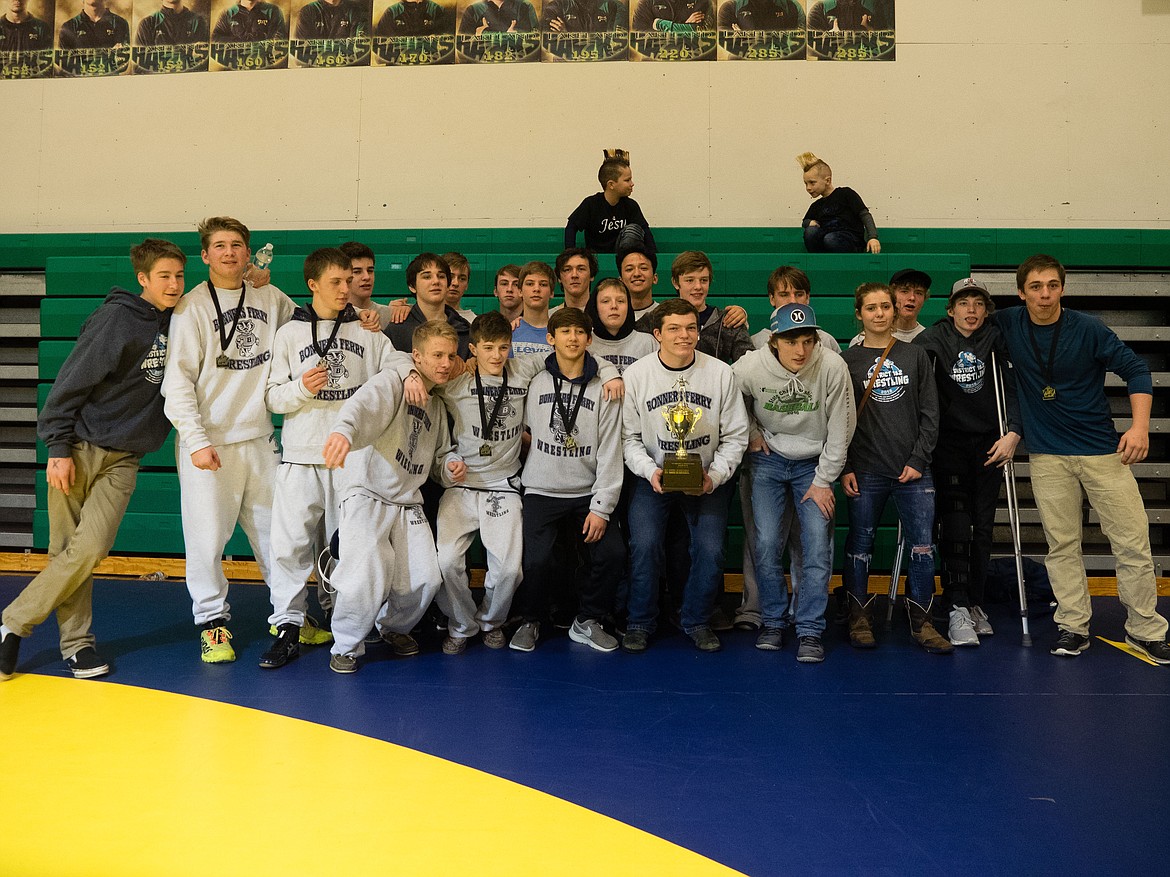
<point x="305" y="497"/>
<point x="386" y="555"/>
<point x="496" y="514"/>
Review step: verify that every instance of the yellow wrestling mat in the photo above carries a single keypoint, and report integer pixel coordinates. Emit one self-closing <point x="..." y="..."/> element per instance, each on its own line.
<point x="106" y="779"/>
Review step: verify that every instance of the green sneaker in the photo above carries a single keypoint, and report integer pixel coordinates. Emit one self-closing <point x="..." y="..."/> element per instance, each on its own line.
<point x="312" y="634"/>
<point x="215" y="644"/>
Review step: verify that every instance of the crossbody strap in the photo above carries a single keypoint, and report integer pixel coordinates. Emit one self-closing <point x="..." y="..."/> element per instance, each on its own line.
<point x="877" y="370"/>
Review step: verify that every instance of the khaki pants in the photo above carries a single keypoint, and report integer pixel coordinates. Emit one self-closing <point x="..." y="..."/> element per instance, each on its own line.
<point x="1057" y="484"/>
<point x="82" y="527"/>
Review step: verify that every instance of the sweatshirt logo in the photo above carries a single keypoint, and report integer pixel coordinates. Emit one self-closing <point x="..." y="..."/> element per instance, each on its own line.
<point x="969" y="372"/>
<point x="790" y="400"/>
<point x="246" y="337"/>
<point x="156" y="359"/>
<point x="891" y="384"/>
<point x="335" y="369"/>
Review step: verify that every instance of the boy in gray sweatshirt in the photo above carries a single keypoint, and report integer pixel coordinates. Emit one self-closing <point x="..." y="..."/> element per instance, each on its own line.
<point x="574" y="474"/>
<point x="800" y="400"/>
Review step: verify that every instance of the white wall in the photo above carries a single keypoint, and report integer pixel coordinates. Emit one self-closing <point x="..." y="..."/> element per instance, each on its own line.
<point x="996" y="113"/>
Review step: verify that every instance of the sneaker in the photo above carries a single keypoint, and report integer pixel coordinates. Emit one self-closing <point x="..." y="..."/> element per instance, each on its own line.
<point x="284" y="649"/>
<point x="373" y="637"/>
<point x="343" y="663"/>
<point x="454" y="645"/>
<point x="525" y="637"/>
<point x="87" y="664"/>
<point x="961" y="628"/>
<point x="982" y="625"/>
<point x="1154" y="649"/>
<point x="809" y="650"/>
<point x="9" y="649"/>
<point x="705" y="640"/>
<point x="215" y="643"/>
<point x="312" y="634"/>
<point x="635" y="641"/>
<point x="401" y="644"/>
<point x="1069" y="644"/>
<point x="719" y="620"/>
<point x="592" y="634"/>
<point x="494" y="639"/>
<point x="771" y="639"/>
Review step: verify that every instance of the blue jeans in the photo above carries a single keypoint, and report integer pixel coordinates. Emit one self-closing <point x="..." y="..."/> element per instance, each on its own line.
<point x="818" y="239"/>
<point x="706" y="518"/>
<point x="777" y="485"/>
<point x="915" y="504"/>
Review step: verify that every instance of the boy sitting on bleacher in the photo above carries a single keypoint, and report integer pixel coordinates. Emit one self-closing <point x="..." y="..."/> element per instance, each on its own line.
<point x="837" y="221"/>
<point x="611" y="219"/>
<point x="102" y="415"/>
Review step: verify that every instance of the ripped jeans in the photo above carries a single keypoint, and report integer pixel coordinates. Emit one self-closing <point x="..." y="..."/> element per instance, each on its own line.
<point x="915" y="504"/>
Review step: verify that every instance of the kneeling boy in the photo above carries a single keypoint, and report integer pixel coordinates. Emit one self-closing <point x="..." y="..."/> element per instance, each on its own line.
<point x="386" y="553"/>
<point x="573" y="473"/>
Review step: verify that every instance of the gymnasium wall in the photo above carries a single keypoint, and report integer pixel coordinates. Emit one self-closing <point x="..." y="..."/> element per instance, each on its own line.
<point x="1046" y="113"/>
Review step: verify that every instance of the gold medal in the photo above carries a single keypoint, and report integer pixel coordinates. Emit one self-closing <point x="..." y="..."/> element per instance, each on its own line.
<point x="570" y="443"/>
<point x="1048" y="394"/>
<point x="485" y="450"/>
<point x="221" y="361"/>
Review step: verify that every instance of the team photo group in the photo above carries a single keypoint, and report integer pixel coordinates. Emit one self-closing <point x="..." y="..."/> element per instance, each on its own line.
<point x="595" y="446"/>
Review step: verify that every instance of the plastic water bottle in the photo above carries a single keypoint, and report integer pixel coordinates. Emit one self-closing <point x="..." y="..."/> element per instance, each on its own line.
<point x="263" y="257"/>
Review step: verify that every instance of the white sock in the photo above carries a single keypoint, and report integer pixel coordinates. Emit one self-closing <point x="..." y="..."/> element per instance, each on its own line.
<point x="4" y="631"/>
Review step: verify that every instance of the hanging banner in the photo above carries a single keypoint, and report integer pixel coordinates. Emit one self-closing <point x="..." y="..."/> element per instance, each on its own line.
<point x="171" y="38"/>
<point x="330" y="33"/>
<point x="585" y="30"/>
<point x="96" y="40"/>
<point x="26" y="39"/>
<point x="673" y="30"/>
<point x="761" y="30"/>
<point x="249" y="35"/>
<point x="851" y="30"/>
<point x="498" y="32"/>
<point x="413" y="33"/>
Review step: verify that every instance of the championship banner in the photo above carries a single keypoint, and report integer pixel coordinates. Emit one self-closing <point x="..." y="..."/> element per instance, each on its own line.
<point x="95" y="37"/>
<point x="497" y="32"/>
<point x="761" y="30"/>
<point x="331" y="33"/>
<point x="673" y="30"/>
<point x="851" y="30"/>
<point x="26" y="39"/>
<point x="171" y="37"/>
<point x="585" y="30"/>
<point x="413" y="33"/>
<point x="249" y="34"/>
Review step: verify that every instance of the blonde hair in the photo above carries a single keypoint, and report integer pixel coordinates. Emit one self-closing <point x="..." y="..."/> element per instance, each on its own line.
<point x="432" y="329"/>
<point x="808" y="161"/>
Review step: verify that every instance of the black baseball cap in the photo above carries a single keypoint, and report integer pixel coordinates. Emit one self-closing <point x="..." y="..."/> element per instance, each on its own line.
<point x="911" y="275"/>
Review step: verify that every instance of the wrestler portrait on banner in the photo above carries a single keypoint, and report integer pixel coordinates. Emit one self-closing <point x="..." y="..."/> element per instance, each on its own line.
<point x="26" y="39"/>
<point x="331" y="33"/>
<point x="249" y="34"/>
<point x="414" y="33"/>
<point x="175" y="37"/>
<point x="585" y="30"/>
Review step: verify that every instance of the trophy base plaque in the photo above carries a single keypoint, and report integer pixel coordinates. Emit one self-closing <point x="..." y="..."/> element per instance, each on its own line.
<point x="683" y="474"/>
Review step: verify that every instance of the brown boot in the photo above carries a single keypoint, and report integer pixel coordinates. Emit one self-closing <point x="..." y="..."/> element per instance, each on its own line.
<point x="923" y="630"/>
<point x="861" y="623"/>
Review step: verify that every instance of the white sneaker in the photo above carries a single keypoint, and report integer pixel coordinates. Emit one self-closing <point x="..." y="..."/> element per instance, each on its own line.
<point x="982" y="625"/>
<point x="592" y="634"/>
<point x="961" y="630"/>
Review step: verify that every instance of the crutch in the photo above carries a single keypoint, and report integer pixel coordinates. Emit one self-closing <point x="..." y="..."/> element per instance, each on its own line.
<point x="895" y="575"/>
<point x="1009" y="477"/>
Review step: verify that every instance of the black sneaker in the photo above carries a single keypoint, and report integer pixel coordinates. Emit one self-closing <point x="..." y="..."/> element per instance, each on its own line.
<point x="1154" y="649"/>
<point x="286" y="647"/>
<point x="1069" y="644"/>
<point x="9" y="649"/>
<point x="87" y="664"/>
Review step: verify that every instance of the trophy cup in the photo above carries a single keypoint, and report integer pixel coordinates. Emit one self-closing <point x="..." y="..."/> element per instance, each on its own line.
<point x="682" y="471"/>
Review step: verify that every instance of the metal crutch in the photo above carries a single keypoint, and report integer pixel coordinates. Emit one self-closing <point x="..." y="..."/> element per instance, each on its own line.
<point x="1009" y="477"/>
<point x="895" y="575"/>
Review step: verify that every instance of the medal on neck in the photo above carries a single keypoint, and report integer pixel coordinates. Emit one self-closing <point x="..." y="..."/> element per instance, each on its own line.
<point x="322" y="352"/>
<point x="225" y="338"/>
<point x="568" y="418"/>
<point x="1048" y="393"/>
<point x="488" y="424"/>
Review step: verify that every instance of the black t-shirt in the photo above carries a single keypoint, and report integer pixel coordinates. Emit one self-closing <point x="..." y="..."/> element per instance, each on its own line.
<point x="840" y="210"/>
<point x="82" y="32"/>
<point x="602" y="223"/>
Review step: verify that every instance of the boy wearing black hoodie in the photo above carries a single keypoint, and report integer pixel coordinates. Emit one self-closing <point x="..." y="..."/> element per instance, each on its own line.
<point x="969" y="450"/>
<point x="103" y="414"/>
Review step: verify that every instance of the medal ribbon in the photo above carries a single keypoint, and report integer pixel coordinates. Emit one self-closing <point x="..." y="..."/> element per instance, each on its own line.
<point x="225" y="340"/>
<point x="488" y="424"/>
<point x="332" y="335"/>
<point x="568" y="419"/>
<point x="1045" y="368"/>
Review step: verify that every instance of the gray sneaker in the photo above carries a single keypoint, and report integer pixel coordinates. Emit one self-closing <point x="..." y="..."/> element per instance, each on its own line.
<point x="494" y="639"/>
<point x="402" y="644"/>
<point x="961" y="628"/>
<point x="809" y="650"/>
<point x="343" y="664"/>
<point x="705" y="640"/>
<point x="525" y="637"/>
<point x="592" y="634"/>
<point x="982" y="625"/>
<point x="771" y="639"/>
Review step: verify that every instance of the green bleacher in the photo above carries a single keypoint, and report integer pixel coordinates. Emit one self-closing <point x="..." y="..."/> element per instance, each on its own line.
<point x="80" y="269"/>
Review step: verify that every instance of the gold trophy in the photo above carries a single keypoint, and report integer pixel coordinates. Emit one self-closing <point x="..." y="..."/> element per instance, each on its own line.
<point x="682" y="471"/>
